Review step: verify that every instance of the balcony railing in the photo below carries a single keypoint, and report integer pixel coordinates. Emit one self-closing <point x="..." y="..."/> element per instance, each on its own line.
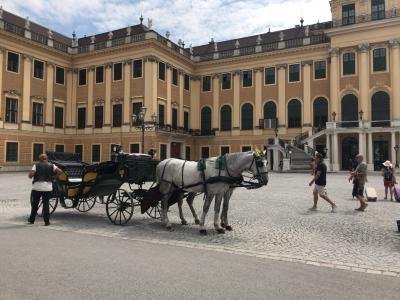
<point x="14" y="29"/>
<point x="392" y="13"/>
<point x="268" y="123"/>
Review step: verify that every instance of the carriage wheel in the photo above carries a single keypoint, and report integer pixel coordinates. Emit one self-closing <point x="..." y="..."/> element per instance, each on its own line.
<point x="53" y="202"/>
<point x="86" y="204"/>
<point x="154" y="211"/>
<point x="119" y="207"/>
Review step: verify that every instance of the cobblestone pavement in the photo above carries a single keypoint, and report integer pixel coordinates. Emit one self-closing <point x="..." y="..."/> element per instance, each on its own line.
<point x="271" y="222"/>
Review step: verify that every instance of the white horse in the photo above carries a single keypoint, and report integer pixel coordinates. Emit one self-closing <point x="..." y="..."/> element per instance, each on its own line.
<point x="175" y="174"/>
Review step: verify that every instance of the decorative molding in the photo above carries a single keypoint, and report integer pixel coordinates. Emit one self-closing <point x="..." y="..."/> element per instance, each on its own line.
<point x="2" y="50"/>
<point x="394" y="43"/>
<point x="281" y="66"/>
<point x="195" y="78"/>
<point x="334" y="51"/>
<point x="108" y="65"/>
<point x="236" y="73"/>
<point x="259" y="69"/>
<point x="363" y="47"/>
<point x="91" y="68"/>
<point x="50" y="64"/>
<point x="215" y="75"/>
<point x="38" y="97"/>
<point x="150" y="58"/>
<point x="168" y="66"/>
<point x="75" y="70"/>
<point x="98" y="101"/>
<point x="117" y="99"/>
<point x="307" y="62"/>
<point x="27" y="57"/>
<point x="127" y="62"/>
<point x="12" y="92"/>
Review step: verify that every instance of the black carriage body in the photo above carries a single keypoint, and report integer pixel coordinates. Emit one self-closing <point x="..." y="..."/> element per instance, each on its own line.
<point x="138" y="168"/>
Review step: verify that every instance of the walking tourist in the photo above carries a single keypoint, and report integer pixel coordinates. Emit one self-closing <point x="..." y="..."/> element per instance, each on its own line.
<point x="42" y="187"/>
<point x="360" y="174"/>
<point x="320" y="183"/>
<point x="389" y="179"/>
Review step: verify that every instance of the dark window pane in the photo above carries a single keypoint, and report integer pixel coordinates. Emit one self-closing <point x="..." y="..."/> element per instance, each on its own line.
<point x="226" y="81"/>
<point x="224" y="150"/>
<point x="81" y="117"/>
<point x="137" y="68"/>
<point x="379" y="58"/>
<point x="134" y="148"/>
<point x="12" y="151"/>
<point x="13" y="62"/>
<point x="174" y="76"/>
<point x="99" y="74"/>
<point x="380" y="104"/>
<point x="117" y="115"/>
<point x="186" y="120"/>
<point x="98" y="117"/>
<point x="247" y="116"/>
<point x="37" y="114"/>
<point x="348" y="14"/>
<point x="349" y="63"/>
<point x="59" y="117"/>
<point x="38" y="69"/>
<point x="206" y="121"/>
<point x="350" y="110"/>
<point x="79" y="150"/>
<point x="226" y="118"/>
<point x="378" y="9"/>
<point x="174" y="118"/>
<point x="270" y="75"/>
<point x="187" y="82"/>
<point x="117" y="68"/>
<point x="82" y="77"/>
<point x="95" y="153"/>
<point x="247" y="77"/>
<point x="59" y="148"/>
<point x="161" y="115"/>
<point x="136" y="107"/>
<point x="294" y="114"/>
<point x="11" y="110"/>
<point x="161" y="71"/>
<point x="205" y="152"/>
<point x="37" y="150"/>
<point x="60" y="73"/>
<point x="187" y="153"/>
<point x="294" y="73"/>
<point x="320" y="69"/>
<point x="163" y="151"/>
<point x="206" y="83"/>
<point x="246" y="148"/>
<point x="270" y="110"/>
<point x="320" y="112"/>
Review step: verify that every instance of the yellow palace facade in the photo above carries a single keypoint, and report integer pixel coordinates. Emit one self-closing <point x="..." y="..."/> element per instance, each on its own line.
<point x="331" y="87"/>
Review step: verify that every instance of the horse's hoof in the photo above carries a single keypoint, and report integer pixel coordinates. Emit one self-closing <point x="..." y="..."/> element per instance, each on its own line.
<point x="229" y="228"/>
<point x="169" y="228"/>
<point x="197" y="221"/>
<point x="184" y="222"/>
<point x="220" y="231"/>
<point x="223" y="225"/>
<point x="203" y="232"/>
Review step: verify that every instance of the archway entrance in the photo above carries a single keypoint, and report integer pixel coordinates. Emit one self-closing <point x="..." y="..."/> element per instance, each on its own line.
<point x="381" y="154"/>
<point x="349" y="151"/>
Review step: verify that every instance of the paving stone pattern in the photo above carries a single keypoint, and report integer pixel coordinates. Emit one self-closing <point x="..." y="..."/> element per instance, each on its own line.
<point x="271" y="222"/>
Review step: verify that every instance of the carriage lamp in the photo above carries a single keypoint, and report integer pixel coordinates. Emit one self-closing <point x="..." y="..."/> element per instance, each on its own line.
<point x="290" y="157"/>
<point x="361" y="114"/>
<point x="139" y="118"/>
<point x="334" y="116"/>
<point x="396" y="149"/>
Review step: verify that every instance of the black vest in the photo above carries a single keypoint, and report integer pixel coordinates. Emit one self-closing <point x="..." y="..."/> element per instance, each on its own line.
<point x="44" y="172"/>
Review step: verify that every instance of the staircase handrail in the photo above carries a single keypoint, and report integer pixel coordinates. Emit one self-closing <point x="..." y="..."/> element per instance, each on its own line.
<point x="299" y="140"/>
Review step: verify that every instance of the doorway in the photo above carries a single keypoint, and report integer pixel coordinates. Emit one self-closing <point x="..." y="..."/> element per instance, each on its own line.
<point x="349" y="151"/>
<point x="176" y="150"/>
<point x="381" y="154"/>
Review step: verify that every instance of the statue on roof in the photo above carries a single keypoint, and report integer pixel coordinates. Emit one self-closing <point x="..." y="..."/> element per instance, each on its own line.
<point x="1" y="12"/>
<point x="281" y="36"/>
<point x="167" y="35"/>
<point x="27" y="23"/>
<point x="92" y="39"/>
<point x="128" y="30"/>
<point x="237" y="44"/>
<point x="191" y="49"/>
<point x="259" y="40"/>
<point x="307" y="31"/>
<point x="180" y="43"/>
<point x="110" y="35"/>
<point x="50" y="34"/>
<point x="149" y="23"/>
<point x="215" y="47"/>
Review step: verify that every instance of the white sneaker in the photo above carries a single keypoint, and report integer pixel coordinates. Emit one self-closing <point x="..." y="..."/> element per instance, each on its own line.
<point x="312" y="209"/>
<point x="334" y="209"/>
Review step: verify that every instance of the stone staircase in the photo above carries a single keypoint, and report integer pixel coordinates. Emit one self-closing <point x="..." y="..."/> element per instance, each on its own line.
<point x="300" y="159"/>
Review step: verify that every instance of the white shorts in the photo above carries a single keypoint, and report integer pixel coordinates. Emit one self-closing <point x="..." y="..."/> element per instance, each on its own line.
<point x="320" y="189"/>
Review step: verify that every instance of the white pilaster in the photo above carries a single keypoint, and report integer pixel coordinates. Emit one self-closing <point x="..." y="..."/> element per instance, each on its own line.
<point x="370" y="158"/>
<point x="335" y="153"/>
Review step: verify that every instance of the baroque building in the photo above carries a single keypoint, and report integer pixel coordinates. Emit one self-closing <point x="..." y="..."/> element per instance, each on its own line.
<point x="331" y="87"/>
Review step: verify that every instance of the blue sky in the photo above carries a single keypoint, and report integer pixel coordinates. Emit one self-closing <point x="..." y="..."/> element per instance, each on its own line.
<point x="194" y="21"/>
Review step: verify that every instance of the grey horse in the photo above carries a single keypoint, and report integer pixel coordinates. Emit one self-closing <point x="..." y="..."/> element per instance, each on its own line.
<point x="175" y="174"/>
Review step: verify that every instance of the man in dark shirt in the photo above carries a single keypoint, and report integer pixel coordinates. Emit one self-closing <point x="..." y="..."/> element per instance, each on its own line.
<point x="320" y="183"/>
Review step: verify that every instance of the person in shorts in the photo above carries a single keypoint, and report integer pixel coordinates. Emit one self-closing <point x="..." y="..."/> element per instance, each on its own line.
<point x="319" y="182"/>
<point x="389" y="179"/>
<point x="360" y="173"/>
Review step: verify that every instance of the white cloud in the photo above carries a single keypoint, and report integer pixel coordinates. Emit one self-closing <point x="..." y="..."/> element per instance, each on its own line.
<point x="195" y="21"/>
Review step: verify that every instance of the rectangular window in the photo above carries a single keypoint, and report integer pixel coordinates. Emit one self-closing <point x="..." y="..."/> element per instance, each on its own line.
<point x="136" y="107"/>
<point x="163" y="151"/>
<point x="161" y="71"/>
<point x="59" y="148"/>
<point x="38" y="69"/>
<point x="100" y="74"/>
<point x="186" y="120"/>
<point x="187" y="82"/>
<point x="348" y="14"/>
<point x="205" y="152"/>
<point x="320" y="69"/>
<point x="37" y="150"/>
<point x="294" y="73"/>
<point x="226" y="81"/>
<point x="161" y="114"/>
<point x="58" y="117"/>
<point x="349" y="63"/>
<point x="98" y="116"/>
<point x="378" y="9"/>
<point x="117" y="115"/>
<point x="81" y="117"/>
<point x="269" y="74"/>
<point x="95" y="153"/>
<point x="82" y="77"/>
<point x="11" y="110"/>
<point x="246" y="148"/>
<point x="206" y="86"/>
<point x="79" y="150"/>
<point x="12" y="151"/>
<point x="37" y="114"/>
<point x="224" y="150"/>
<point x="60" y="75"/>
<point x="12" y="62"/>
<point x="187" y="153"/>
<point x="117" y="71"/>
<point x="379" y="59"/>
<point x="137" y="68"/>
<point x="174" y="118"/>
<point x="134" y="148"/>
<point x="247" y="78"/>
<point x="174" y="76"/>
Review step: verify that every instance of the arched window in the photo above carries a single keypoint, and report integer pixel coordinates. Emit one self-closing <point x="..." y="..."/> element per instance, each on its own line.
<point x="294" y="114"/>
<point x="380" y="106"/>
<point x="247" y="116"/>
<point x="270" y="110"/>
<point x="350" y="111"/>
<point x="226" y="118"/>
<point x="320" y="112"/>
<point x="206" y="121"/>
